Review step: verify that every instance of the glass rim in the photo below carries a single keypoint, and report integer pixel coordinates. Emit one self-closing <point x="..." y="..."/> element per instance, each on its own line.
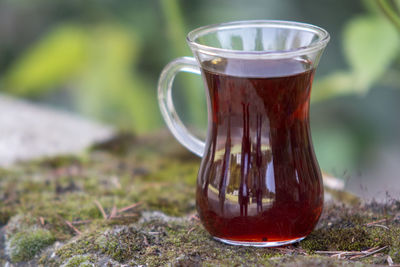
<point x="282" y="24"/>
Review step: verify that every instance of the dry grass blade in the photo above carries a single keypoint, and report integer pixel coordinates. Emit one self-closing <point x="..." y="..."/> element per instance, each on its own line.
<point x="100" y="207"/>
<point x="292" y="250"/>
<point x="345" y="254"/>
<point x="194" y="217"/>
<point x="368" y="253"/>
<point x="352" y="254"/>
<point x="369" y="250"/>
<point x="113" y="212"/>
<point x="145" y="241"/>
<point x="81" y="222"/>
<point x="380" y="225"/>
<point x="335" y="252"/>
<point x="190" y="230"/>
<point x="73" y="227"/>
<point x="129" y="207"/>
<point x="125" y="216"/>
<point x="154" y="233"/>
<point x="375" y="222"/>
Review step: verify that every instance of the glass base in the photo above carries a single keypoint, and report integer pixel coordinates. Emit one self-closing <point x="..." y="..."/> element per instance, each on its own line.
<point x="259" y="244"/>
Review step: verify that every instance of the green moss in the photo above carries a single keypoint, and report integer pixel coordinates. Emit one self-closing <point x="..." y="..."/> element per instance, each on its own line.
<point x="120" y="246"/>
<point x="65" y="188"/>
<point x="25" y="245"/>
<point x="5" y="214"/>
<point x="314" y="261"/>
<point x="170" y="189"/>
<point x="119" y="145"/>
<point x="395" y="244"/>
<point x="343" y="239"/>
<point x="162" y="176"/>
<point x="80" y="260"/>
<point x="348" y="230"/>
<point x="176" y="171"/>
<point x="83" y="245"/>
<point x="59" y="161"/>
<point x="172" y="199"/>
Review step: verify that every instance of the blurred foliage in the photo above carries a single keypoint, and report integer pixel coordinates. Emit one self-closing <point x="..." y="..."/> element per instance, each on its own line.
<point x="103" y="58"/>
<point x="371" y="44"/>
<point x="176" y="33"/>
<point x="108" y="87"/>
<point x="95" y="63"/>
<point x="391" y="9"/>
<point x="371" y="48"/>
<point x="51" y="61"/>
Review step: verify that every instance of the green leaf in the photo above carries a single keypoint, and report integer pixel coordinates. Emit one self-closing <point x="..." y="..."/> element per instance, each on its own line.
<point x="370" y="44"/>
<point x="49" y="62"/>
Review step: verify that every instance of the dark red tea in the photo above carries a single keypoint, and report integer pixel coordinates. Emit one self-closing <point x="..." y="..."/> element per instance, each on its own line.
<point x="259" y="181"/>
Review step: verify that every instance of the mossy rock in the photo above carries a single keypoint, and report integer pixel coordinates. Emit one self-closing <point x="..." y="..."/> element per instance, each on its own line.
<point x="131" y="200"/>
<point x="25" y="244"/>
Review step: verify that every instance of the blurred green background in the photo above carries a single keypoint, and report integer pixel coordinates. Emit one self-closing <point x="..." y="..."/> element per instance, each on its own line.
<point x="102" y="59"/>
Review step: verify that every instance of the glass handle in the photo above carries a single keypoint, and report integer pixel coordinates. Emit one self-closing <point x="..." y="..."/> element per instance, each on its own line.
<point x="174" y="123"/>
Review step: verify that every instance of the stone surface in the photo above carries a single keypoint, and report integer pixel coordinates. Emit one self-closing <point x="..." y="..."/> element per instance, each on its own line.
<point x="30" y="131"/>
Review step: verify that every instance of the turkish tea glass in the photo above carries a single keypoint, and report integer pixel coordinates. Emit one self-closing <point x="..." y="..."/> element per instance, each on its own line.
<point x="259" y="182"/>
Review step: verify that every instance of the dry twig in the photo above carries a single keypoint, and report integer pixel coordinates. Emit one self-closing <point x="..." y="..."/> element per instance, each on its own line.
<point x="190" y="230"/>
<point x="100" y="207"/>
<point x="145" y="241"/>
<point x="81" y="222"/>
<point x="129" y="207"/>
<point x="288" y="250"/>
<point x="368" y="253"/>
<point x="194" y="217"/>
<point x="375" y="222"/>
<point x="113" y="212"/>
<point x="73" y="227"/>
<point x="353" y="254"/>
<point x="380" y="225"/>
<point x="125" y="216"/>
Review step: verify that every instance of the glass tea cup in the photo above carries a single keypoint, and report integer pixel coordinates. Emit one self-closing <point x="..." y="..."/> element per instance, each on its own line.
<point x="259" y="182"/>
